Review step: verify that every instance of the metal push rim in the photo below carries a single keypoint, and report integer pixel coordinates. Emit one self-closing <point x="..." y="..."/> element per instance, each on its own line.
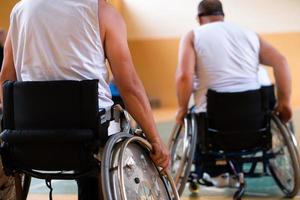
<point x="146" y="144"/>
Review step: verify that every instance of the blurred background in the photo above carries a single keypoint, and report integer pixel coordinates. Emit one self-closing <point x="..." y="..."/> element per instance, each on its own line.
<point x="155" y="27"/>
<point x="154" y="31"/>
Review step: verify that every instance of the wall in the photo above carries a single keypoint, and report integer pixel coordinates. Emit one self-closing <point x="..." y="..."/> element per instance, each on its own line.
<point x="155" y="26"/>
<point x="289" y="45"/>
<point x="172" y="18"/>
<point x="156" y="60"/>
<point x="5" y="9"/>
<point x="154" y="29"/>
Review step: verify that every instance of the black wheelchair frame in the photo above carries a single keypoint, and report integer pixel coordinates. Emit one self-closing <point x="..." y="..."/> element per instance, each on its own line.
<point x="25" y="179"/>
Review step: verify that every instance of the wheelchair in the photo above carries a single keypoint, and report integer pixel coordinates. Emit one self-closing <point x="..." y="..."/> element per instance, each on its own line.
<point x="24" y="179"/>
<point x="54" y="130"/>
<point x="244" y="141"/>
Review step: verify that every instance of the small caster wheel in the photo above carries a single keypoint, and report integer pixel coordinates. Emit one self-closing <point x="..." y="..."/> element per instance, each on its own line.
<point x="194" y="187"/>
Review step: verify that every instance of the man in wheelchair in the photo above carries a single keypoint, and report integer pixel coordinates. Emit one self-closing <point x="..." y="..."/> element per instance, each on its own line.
<point x="64" y="40"/>
<point x="219" y="64"/>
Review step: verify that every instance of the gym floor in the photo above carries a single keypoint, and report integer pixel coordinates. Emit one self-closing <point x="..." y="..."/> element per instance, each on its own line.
<point x="257" y="189"/>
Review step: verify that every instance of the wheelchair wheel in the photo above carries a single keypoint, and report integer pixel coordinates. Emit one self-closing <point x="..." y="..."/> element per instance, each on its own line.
<point x="25" y="182"/>
<point x="290" y="125"/>
<point x="284" y="167"/>
<point x="109" y="166"/>
<point x="182" y="146"/>
<point x="129" y="173"/>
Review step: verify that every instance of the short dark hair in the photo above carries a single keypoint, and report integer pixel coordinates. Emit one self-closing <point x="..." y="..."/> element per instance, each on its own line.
<point x="210" y="7"/>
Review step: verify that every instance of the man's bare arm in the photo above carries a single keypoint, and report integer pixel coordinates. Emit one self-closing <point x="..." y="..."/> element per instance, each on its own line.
<point x="271" y="57"/>
<point x="8" y="71"/>
<point x="128" y="82"/>
<point x="184" y="74"/>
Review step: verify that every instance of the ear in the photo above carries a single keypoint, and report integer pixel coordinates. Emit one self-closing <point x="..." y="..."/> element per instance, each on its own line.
<point x="201" y="21"/>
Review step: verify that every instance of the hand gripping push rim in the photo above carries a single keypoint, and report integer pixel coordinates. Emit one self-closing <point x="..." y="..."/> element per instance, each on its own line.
<point x="113" y="177"/>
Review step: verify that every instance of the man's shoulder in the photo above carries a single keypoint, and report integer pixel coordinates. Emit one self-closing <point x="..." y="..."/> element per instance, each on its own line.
<point x="17" y="7"/>
<point x="108" y="10"/>
<point x="109" y="14"/>
<point x="235" y="26"/>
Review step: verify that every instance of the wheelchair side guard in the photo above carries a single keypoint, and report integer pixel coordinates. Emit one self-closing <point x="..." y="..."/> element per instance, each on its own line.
<point x="129" y="173"/>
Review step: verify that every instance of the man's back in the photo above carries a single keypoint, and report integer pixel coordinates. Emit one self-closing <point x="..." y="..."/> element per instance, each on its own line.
<point x="227" y="60"/>
<point x="227" y="57"/>
<point x="60" y="40"/>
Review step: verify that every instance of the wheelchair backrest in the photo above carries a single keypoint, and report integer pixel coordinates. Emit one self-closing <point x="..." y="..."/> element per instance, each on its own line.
<point x="51" y="125"/>
<point x="51" y="105"/>
<point x="236" y="111"/>
<point x="237" y="121"/>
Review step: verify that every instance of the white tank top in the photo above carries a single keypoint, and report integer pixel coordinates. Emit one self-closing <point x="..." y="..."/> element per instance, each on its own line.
<point x="227" y="60"/>
<point x="59" y="40"/>
<point x="263" y="77"/>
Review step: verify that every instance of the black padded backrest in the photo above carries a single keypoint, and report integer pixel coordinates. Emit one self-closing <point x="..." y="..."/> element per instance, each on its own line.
<point x="237" y="121"/>
<point x="236" y="111"/>
<point x="51" y="105"/>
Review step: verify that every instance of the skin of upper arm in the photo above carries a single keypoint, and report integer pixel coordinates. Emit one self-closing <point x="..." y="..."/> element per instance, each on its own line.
<point x="8" y="71"/>
<point x="116" y="47"/>
<point x="268" y="55"/>
<point x="186" y="57"/>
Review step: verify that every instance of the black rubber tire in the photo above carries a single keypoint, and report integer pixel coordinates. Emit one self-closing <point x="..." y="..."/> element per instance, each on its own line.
<point x="192" y="133"/>
<point x="293" y="154"/>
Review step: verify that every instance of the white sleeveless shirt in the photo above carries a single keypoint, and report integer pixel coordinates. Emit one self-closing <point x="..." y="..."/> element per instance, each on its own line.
<point x="227" y="60"/>
<point x="59" y="40"/>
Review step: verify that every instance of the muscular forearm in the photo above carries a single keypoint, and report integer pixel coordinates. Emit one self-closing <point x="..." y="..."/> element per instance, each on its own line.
<point x="185" y="72"/>
<point x="283" y="80"/>
<point x="184" y="91"/>
<point x="270" y="56"/>
<point x="138" y="106"/>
